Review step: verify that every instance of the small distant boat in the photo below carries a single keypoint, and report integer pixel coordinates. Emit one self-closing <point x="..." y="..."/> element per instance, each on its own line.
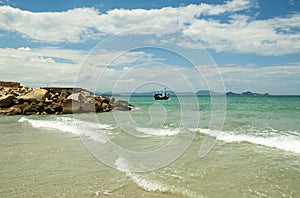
<point x="161" y="95"/>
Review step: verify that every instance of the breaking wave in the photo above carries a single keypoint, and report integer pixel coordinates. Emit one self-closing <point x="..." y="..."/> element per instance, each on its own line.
<point x="158" y="132"/>
<point x="93" y="131"/>
<point x="286" y="142"/>
<point x="149" y="184"/>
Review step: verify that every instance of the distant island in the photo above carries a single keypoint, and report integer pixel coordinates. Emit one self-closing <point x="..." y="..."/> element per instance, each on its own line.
<point x="247" y="93"/>
<point x="172" y="93"/>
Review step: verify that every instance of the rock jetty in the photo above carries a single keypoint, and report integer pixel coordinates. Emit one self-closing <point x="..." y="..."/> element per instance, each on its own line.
<point x="41" y="101"/>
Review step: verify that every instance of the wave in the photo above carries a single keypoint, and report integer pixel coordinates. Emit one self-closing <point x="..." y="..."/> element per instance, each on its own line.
<point x="148" y="184"/>
<point x="71" y="125"/>
<point x="158" y="132"/>
<point x="286" y="142"/>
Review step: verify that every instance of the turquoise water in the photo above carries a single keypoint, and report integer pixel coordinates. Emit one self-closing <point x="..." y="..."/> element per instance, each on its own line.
<point x="153" y="151"/>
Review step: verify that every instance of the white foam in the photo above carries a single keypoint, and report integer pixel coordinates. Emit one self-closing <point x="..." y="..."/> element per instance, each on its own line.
<point x="63" y="125"/>
<point x="144" y="183"/>
<point x="281" y="141"/>
<point x="158" y="132"/>
<point x="149" y="184"/>
<point x="71" y="125"/>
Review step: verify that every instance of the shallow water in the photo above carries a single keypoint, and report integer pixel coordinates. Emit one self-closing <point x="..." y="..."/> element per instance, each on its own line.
<point x="257" y="153"/>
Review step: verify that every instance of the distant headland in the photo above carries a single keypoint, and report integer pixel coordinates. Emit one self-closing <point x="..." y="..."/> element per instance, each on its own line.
<point x="16" y="99"/>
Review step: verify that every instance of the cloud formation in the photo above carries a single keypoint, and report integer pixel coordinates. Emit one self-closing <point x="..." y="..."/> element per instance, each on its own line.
<point x="240" y="33"/>
<point x="61" y="67"/>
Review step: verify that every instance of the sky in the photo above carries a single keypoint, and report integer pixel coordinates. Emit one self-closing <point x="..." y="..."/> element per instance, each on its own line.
<point x="234" y="45"/>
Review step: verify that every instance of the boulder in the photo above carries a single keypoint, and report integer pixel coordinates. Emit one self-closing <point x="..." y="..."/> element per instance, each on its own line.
<point x="7" y="111"/>
<point x="104" y="99"/>
<point x="57" y="107"/>
<point x="7" y="101"/>
<point x="88" y="107"/>
<point x="105" y="105"/>
<point x="76" y="96"/>
<point x="98" y="108"/>
<point x="64" y="94"/>
<point x="24" y="105"/>
<point x="70" y="106"/>
<point x="16" y="110"/>
<point x="86" y="93"/>
<point x="49" y="110"/>
<point x="36" y="95"/>
<point x="121" y="103"/>
<point x="28" y="109"/>
<point x="120" y="109"/>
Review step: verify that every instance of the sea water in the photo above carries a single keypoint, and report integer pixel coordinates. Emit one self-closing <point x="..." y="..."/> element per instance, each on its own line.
<point x="257" y="152"/>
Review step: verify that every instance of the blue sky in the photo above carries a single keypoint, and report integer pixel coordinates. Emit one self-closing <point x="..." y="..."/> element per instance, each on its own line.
<point x="243" y="44"/>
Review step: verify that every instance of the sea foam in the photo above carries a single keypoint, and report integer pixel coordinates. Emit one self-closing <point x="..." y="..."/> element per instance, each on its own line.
<point x="158" y="132"/>
<point x="148" y="184"/>
<point x="71" y="125"/>
<point x="286" y="142"/>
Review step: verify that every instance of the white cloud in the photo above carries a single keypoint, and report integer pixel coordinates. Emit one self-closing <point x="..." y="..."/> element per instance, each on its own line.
<point x="70" y="26"/>
<point x="61" y="67"/>
<point x="84" y="23"/>
<point x="24" y="48"/>
<point x="39" y="67"/>
<point x="104" y="58"/>
<point x="241" y="33"/>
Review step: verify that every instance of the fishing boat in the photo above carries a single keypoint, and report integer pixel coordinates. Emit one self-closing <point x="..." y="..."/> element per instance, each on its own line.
<point x="161" y="95"/>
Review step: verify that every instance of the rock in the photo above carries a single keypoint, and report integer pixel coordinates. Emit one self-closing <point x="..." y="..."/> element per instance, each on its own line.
<point x="36" y="95"/>
<point x="88" y="107"/>
<point x="104" y="99"/>
<point x="70" y="106"/>
<point x="98" y="108"/>
<point x="7" y="111"/>
<point x="64" y="94"/>
<point x="16" y="110"/>
<point x="76" y="96"/>
<point x="57" y="107"/>
<point x="120" y="109"/>
<point x="47" y="101"/>
<point x="27" y="109"/>
<point x="7" y="101"/>
<point x="32" y="109"/>
<point x="112" y="101"/>
<point x="28" y="101"/>
<point x="49" y="110"/>
<point x="121" y="103"/>
<point x="24" y="105"/>
<point x="105" y="105"/>
<point x="16" y="93"/>
<point x="23" y="90"/>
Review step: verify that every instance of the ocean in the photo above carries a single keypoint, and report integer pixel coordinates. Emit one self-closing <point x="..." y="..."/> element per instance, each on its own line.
<point x="183" y="147"/>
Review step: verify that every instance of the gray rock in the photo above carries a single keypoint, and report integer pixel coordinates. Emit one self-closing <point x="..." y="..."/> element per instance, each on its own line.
<point x="36" y="95"/>
<point x="76" y="96"/>
<point x="7" y="101"/>
<point x="88" y="107"/>
<point x="70" y="106"/>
